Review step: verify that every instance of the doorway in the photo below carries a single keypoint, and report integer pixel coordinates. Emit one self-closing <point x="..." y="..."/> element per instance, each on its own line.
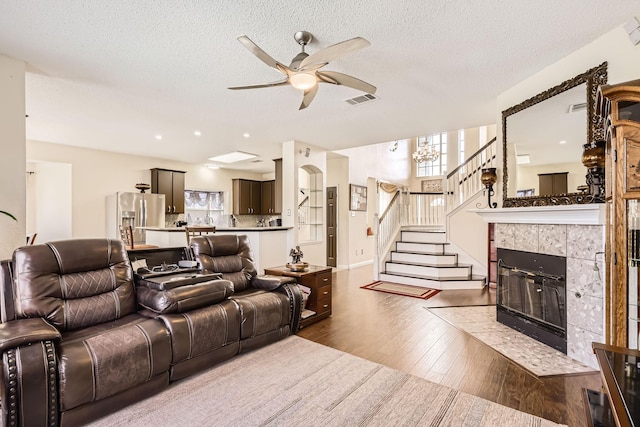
<point x="332" y="219"/>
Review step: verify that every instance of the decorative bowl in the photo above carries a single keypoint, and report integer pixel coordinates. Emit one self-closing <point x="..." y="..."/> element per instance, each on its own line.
<point x="301" y="266"/>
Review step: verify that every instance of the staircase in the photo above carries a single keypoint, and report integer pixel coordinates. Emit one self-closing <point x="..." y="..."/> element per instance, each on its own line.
<point x="411" y="244"/>
<point x="420" y="259"/>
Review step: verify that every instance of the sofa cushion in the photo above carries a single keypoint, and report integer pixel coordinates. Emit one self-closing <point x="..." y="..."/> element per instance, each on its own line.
<point x="74" y="283"/>
<point x="226" y="254"/>
<point x="103" y="360"/>
<point x="197" y="332"/>
<point x="262" y="311"/>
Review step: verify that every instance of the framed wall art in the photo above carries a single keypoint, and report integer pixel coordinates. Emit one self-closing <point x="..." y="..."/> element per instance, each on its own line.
<point x="358" y="197"/>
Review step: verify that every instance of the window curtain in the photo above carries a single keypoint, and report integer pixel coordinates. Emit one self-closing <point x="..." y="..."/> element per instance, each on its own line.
<point x="389" y="188"/>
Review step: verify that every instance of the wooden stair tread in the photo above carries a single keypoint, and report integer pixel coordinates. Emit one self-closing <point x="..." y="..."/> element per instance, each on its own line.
<point x="429" y="265"/>
<point x="471" y="278"/>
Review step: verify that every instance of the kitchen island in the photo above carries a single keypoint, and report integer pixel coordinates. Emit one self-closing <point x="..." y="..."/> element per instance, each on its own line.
<point x="268" y="244"/>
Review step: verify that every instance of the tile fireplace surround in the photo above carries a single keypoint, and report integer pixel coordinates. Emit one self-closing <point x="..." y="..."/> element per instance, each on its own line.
<point x="577" y="233"/>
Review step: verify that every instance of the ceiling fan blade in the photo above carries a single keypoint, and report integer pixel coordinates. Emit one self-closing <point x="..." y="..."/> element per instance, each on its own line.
<point x="261" y="54"/>
<point x="336" y="78"/>
<point x="337" y="50"/>
<point x="308" y="97"/>
<point x="278" y="83"/>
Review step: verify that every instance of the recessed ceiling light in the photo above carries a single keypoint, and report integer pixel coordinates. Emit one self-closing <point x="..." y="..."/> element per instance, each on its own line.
<point x="563" y="142"/>
<point x="523" y="159"/>
<point x="246" y="135"/>
<point x="158" y="137"/>
<point x="197" y="133"/>
<point x="213" y="166"/>
<point x="234" y="156"/>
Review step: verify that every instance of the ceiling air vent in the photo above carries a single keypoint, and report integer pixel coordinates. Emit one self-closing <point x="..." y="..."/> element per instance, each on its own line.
<point x="362" y="99"/>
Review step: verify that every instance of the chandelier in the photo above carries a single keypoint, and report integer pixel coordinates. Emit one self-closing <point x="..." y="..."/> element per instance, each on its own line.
<point x="426" y="154"/>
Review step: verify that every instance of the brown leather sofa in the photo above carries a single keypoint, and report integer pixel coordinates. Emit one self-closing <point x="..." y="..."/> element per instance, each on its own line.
<point x="77" y="344"/>
<point x="261" y="298"/>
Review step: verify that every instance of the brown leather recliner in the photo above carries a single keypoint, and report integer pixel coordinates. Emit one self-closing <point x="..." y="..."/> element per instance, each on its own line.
<point x="99" y="353"/>
<point x="270" y="306"/>
<point x="75" y="344"/>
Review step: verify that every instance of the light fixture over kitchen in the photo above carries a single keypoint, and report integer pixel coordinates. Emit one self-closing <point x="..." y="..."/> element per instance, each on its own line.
<point x="234" y="156"/>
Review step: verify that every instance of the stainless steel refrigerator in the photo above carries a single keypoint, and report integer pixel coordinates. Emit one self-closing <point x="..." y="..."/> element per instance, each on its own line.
<point x="136" y="210"/>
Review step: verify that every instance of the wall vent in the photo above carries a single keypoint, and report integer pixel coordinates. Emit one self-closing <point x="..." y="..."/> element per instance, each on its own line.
<point x="362" y="99"/>
<point x="577" y="107"/>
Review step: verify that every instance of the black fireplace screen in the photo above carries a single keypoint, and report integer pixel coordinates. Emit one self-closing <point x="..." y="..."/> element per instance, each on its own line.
<point x="535" y="295"/>
<point x="531" y="295"/>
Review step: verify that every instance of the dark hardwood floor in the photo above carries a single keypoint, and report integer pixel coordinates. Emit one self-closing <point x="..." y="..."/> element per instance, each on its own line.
<point x="400" y="332"/>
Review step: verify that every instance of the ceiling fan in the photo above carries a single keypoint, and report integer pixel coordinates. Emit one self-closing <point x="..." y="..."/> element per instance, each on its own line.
<point x="303" y="72"/>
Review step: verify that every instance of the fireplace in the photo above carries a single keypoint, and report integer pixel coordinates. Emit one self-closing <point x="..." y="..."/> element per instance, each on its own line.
<point x="531" y="295"/>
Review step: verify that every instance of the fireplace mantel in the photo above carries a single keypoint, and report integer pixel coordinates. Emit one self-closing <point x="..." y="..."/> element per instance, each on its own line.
<point x="589" y="214"/>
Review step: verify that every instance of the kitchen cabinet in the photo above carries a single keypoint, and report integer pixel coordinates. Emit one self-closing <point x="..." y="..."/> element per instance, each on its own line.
<point x="258" y="197"/>
<point x="247" y="197"/>
<point x="171" y="184"/>
<point x="277" y="188"/>
<point x="268" y="198"/>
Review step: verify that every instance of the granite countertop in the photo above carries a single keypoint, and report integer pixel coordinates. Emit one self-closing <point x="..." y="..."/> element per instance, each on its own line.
<point x="181" y="229"/>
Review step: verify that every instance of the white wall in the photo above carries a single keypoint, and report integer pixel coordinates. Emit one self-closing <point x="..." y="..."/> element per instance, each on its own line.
<point x="293" y="158"/>
<point x="12" y="160"/>
<point x="96" y="174"/>
<point x="53" y="195"/>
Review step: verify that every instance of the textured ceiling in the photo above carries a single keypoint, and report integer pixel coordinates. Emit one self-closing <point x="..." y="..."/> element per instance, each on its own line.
<point x="113" y="74"/>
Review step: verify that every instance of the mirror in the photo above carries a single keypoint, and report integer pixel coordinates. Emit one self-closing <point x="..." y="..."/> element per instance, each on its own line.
<point x="539" y="170"/>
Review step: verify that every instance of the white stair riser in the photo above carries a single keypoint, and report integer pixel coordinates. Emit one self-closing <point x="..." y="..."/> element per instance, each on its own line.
<point x="423" y="237"/>
<point x="429" y="271"/>
<point x="445" y="260"/>
<point x="433" y="284"/>
<point x="430" y="248"/>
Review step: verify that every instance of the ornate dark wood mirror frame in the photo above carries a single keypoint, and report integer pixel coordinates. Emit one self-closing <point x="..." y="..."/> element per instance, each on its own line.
<point x="595" y="131"/>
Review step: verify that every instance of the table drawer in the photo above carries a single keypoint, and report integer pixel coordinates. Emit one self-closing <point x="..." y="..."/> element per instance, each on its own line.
<point x="323" y="279"/>
<point x="324" y="292"/>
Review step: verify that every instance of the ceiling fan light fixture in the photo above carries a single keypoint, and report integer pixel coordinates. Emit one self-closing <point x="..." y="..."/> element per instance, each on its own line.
<point x="303" y="81"/>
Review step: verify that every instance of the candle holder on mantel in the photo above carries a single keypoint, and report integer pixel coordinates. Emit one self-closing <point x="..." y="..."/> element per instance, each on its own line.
<point x="488" y="178"/>
<point x="593" y="158"/>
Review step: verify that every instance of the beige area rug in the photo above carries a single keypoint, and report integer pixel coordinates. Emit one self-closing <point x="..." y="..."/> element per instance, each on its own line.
<point x="400" y="289"/>
<point x="539" y="359"/>
<point x="296" y="382"/>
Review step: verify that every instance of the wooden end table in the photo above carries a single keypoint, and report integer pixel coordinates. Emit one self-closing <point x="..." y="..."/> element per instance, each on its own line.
<point x="318" y="279"/>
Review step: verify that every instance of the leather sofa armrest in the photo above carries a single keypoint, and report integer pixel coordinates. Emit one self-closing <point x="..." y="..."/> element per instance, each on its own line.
<point x="269" y="282"/>
<point x="25" y="331"/>
<point x="184" y="298"/>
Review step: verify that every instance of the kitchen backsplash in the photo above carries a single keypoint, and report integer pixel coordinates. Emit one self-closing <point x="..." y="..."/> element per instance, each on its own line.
<point x="222" y="221"/>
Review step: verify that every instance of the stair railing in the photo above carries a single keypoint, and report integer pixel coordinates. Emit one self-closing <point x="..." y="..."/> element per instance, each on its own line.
<point x="426" y="208"/>
<point x="463" y="182"/>
<point x="386" y="227"/>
